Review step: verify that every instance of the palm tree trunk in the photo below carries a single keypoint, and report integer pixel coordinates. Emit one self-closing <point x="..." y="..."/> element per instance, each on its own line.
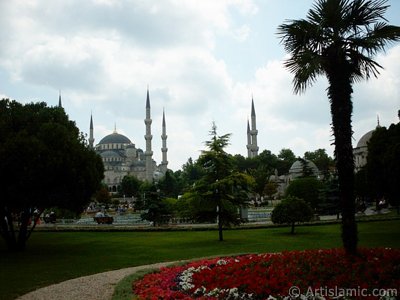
<point x="339" y="93"/>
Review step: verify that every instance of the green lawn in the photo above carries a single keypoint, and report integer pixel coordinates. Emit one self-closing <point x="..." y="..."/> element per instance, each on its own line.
<point x="57" y="256"/>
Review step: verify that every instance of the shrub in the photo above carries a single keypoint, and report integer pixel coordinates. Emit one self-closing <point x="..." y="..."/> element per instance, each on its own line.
<point x="307" y="188"/>
<point x="290" y="211"/>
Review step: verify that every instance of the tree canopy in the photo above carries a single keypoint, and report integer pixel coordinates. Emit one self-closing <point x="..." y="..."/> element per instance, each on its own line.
<point x="46" y="163"/>
<point x="383" y="163"/>
<point x="321" y="160"/>
<point x="307" y="188"/>
<point x="290" y="211"/>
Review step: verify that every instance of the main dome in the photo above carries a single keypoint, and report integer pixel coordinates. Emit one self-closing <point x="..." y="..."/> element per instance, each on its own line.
<point x="115" y="138"/>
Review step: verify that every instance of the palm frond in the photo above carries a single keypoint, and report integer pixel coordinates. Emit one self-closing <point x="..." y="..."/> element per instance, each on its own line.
<point x="363" y="66"/>
<point x="365" y="12"/>
<point x="300" y="34"/>
<point x="306" y="66"/>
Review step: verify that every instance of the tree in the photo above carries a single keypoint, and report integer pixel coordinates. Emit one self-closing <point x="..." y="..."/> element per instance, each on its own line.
<point x="362" y="189"/>
<point x="130" y="186"/>
<point x="168" y="185"/>
<point x="103" y="196"/>
<point x="221" y="191"/>
<point x="266" y="163"/>
<point x="290" y="211"/>
<point x="260" y="168"/>
<point x="240" y="163"/>
<point x="270" y="189"/>
<point x="191" y="172"/>
<point x="383" y="163"/>
<point x="339" y="39"/>
<point x="307" y="170"/>
<point x="321" y="160"/>
<point x="307" y="188"/>
<point x="156" y="209"/>
<point x="329" y="198"/>
<point x="47" y="163"/>
<point x="286" y="158"/>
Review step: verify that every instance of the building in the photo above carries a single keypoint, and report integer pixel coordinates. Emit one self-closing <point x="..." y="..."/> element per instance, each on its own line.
<point x="121" y="157"/>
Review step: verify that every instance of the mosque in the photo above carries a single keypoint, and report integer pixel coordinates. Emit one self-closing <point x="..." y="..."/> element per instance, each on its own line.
<point x="121" y="157"/>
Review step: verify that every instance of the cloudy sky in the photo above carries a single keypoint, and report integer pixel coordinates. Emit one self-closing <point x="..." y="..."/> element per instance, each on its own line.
<point x="203" y="61"/>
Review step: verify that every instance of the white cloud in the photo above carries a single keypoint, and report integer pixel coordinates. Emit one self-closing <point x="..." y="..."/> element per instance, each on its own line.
<point x="102" y="54"/>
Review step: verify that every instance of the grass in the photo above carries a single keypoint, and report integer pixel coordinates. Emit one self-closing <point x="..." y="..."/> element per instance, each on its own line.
<point x="53" y="257"/>
<point x="123" y="290"/>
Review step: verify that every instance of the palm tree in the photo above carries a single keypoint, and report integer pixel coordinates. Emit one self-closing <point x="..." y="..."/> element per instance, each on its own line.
<point x="338" y="39"/>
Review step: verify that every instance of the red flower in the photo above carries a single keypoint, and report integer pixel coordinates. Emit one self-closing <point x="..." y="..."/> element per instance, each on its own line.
<point x="273" y="274"/>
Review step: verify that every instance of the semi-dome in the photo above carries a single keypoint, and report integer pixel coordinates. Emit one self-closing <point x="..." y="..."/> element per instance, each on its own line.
<point x="110" y="154"/>
<point x="115" y="138"/>
<point x="297" y="168"/>
<point x="365" y="139"/>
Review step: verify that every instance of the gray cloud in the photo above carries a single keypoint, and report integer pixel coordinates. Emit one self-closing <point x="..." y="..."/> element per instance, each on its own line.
<point x="198" y="61"/>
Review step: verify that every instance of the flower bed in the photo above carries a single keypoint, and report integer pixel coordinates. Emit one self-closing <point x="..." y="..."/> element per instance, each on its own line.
<point x="373" y="274"/>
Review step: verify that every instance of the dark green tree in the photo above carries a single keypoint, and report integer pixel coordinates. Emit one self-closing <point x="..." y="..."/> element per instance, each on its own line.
<point x="260" y="168"/>
<point x="46" y="163"/>
<point x="329" y="198"/>
<point x="306" y="188"/>
<point x="130" y="186"/>
<point x="291" y="211"/>
<point x="221" y="191"/>
<point x="191" y="172"/>
<point x="270" y="189"/>
<point x="286" y="158"/>
<point x="339" y="39"/>
<point x="156" y="210"/>
<point x="240" y="163"/>
<point x="266" y="163"/>
<point x="383" y="163"/>
<point x="362" y="189"/>
<point x="307" y="169"/>
<point x="322" y="160"/>
<point x="168" y="185"/>
<point x="103" y="196"/>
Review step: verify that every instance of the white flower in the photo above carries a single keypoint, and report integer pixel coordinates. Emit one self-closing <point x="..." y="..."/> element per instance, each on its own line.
<point x="221" y="262"/>
<point x="186" y="277"/>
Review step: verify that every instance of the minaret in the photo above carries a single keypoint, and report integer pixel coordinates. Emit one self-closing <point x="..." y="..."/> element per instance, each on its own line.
<point x="148" y="137"/>
<point x="59" y="99"/>
<point x="164" y="148"/>
<point x="253" y="131"/>
<point x="91" y="138"/>
<point x="248" y="140"/>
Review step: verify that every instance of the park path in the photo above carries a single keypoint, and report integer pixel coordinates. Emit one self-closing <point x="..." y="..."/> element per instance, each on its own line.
<point x="93" y="287"/>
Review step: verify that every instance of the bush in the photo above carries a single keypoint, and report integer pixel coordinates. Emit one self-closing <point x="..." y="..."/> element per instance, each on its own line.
<point x="290" y="211"/>
<point x="307" y="188"/>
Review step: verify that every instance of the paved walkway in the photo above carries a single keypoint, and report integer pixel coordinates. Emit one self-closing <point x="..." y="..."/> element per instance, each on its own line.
<point x="94" y="287"/>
